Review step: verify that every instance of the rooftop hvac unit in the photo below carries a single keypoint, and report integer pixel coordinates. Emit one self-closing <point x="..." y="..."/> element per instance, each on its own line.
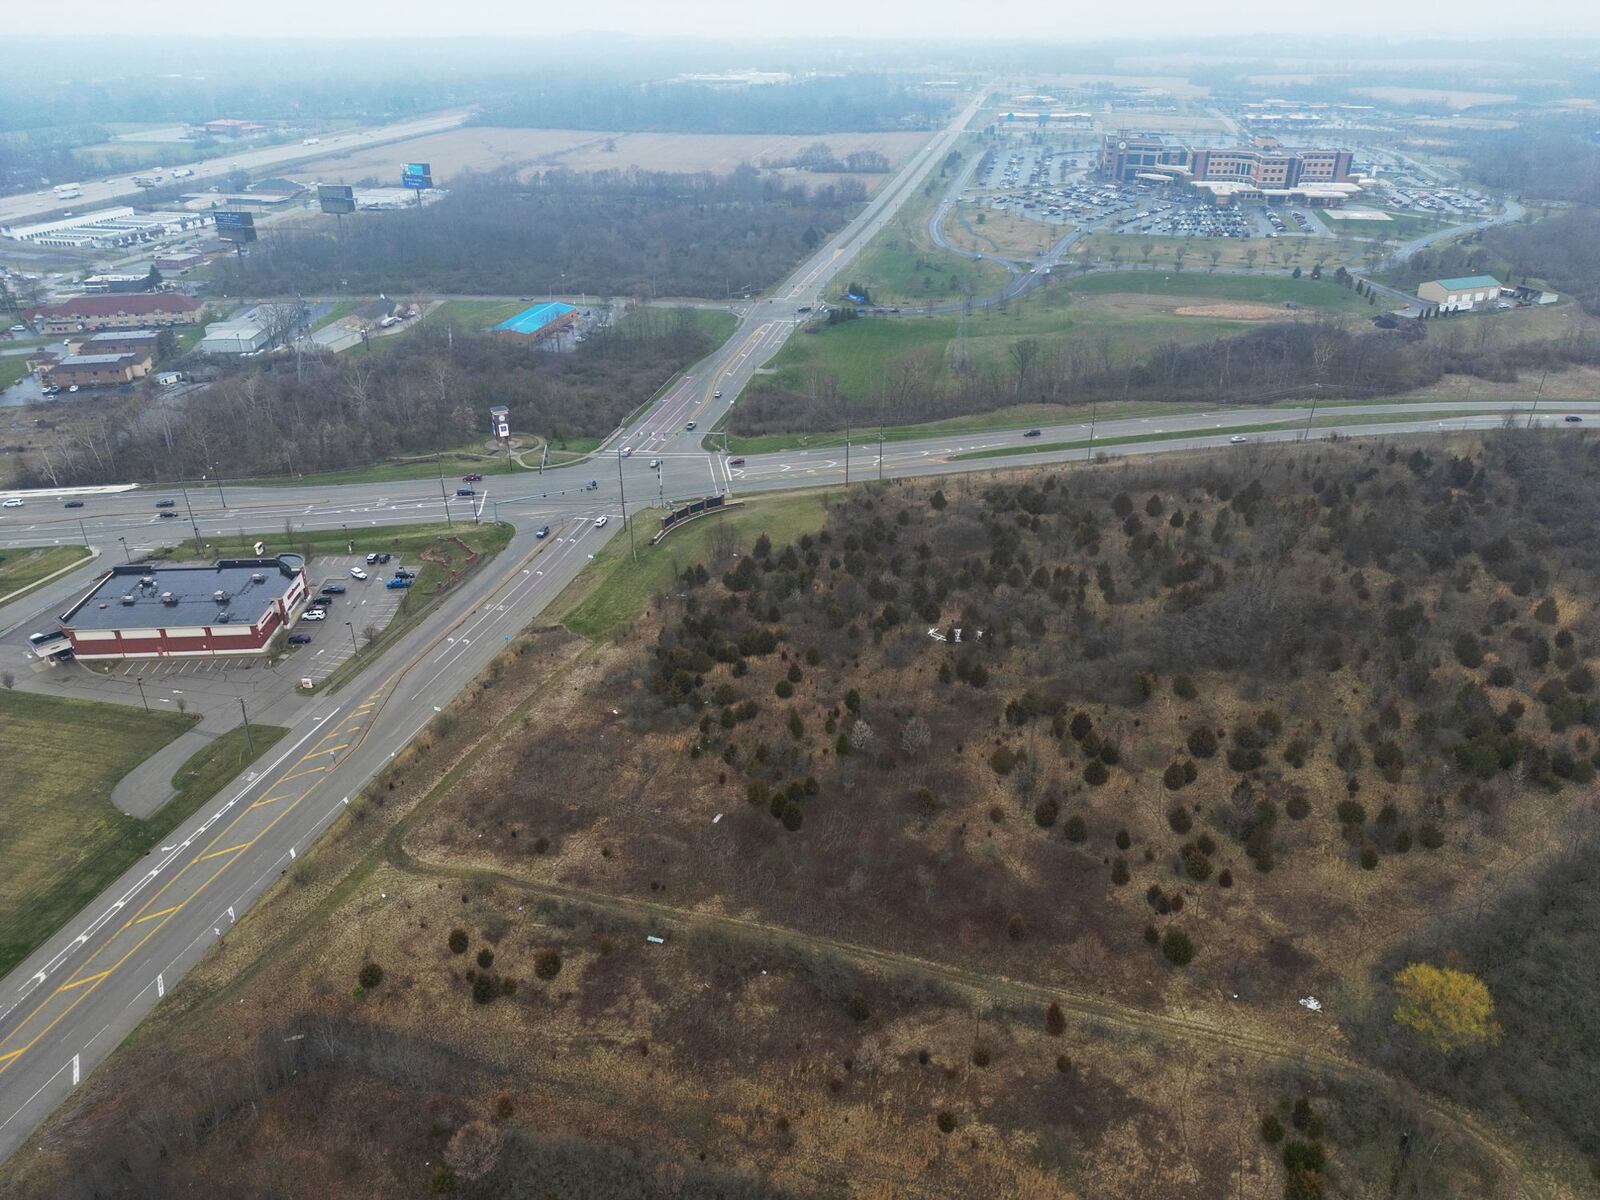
<point x="258" y="577"/>
<point x="224" y="617"/>
<point x="168" y="598"/>
<point x="220" y="596"/>
<point x="149" y="581"/>
<point x="128" y="599"/>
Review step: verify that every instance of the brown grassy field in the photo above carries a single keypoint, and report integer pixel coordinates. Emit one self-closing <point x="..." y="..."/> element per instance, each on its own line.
<point x="1000" y="233"/>
<point x="480" y="148"/>
<point x="1256" y="699"/>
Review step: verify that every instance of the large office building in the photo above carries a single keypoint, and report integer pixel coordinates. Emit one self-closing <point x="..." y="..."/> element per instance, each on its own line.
<point x="141" y="610"/>
<point x="87" y="314"/>
<point x="1264" y="169"/>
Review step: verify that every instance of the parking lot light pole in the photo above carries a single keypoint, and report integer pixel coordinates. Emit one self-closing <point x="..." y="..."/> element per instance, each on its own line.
<point x="354" y="649"/>
<point x="140" y="681"/>
<point x="125" y="552"/>
<point x="249" y="739"/>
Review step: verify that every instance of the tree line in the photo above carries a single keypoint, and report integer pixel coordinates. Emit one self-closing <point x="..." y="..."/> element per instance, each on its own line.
<point x="645" y="233"/>
<point x="429" y="388"/>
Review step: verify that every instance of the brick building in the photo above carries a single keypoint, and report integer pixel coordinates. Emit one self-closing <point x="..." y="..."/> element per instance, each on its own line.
<point x="84" y="314"/>
<point x="234" y="606"/>
<point x="98" y="370"/>
<point x="1264" y="166"/>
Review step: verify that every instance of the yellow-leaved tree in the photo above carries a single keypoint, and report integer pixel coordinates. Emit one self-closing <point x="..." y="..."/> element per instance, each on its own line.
<point x="1450" y="1010"/>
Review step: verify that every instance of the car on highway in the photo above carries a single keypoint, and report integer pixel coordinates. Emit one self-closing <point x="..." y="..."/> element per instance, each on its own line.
<point x="736" y="462"/>
<point x="627" y="452"/>
<point x="1032" y="432"/>
<point x="1238" y="439"/>
<point x="166" y="504"/>
<point x="299" y="639"/>
<point x="717" y="395"/>
<point x="12" y="502"/>
<point x="691" y="424"/>
<point x="599" y="522"/>
<point x="655" y="464"/>
<point x="1572" y="418"/>
<point x="313" y="614"/>
<point x="168" y="515"/>
<point x="474" y="477"/>
<point x="73" y="504"/>
<point x="357" y="573"/>
<point x="465" y="491"/>
<point x="544" y="532"/>
<point x="399" y="581"/>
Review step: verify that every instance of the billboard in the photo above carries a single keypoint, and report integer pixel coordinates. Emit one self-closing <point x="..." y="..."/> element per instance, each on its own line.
<point x="336" y="198"/>
<point x="416" y="175"/>
<point x="235" y="226"/>
<point x="499" y="421"/>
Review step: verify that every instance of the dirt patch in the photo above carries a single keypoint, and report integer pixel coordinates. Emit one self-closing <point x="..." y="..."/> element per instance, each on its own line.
<point x="1231" y="312"/>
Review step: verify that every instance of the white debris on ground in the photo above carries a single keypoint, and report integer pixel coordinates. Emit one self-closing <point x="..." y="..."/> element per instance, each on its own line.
<point x="1311" y="1002"/>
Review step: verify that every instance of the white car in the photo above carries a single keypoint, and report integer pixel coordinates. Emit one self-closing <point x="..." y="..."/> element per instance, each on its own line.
<point x="717" y="395"/>
<point x="599" y="522"/>
<point x="313" y="614"/>
<point x="1238" y="439"/>
<point x="357" y="573"/>
<point x="627" y="452"/>
<point x="13" y="502"/>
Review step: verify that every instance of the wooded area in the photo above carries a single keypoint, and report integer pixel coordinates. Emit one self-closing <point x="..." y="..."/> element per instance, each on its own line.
<point x="414" y="394"/>
<point x="643" y="233"/>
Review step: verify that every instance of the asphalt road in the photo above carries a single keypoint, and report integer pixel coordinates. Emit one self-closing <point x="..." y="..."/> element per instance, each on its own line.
<point x="64" y="1009"/>
<point x="114" y="188"/>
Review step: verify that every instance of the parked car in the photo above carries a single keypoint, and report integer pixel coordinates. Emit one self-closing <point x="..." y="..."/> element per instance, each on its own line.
<point x="474" y="477"/>
<point x="599" y="522"/>
<point x="544" y="532"/>
<point x="399" y="581"/>
<point x="313" y="614"/>
<point x="404" y="573"/>
<point x="333" y="589"/>
<point x="384" y="558"/>
<point x="299" y="639"/>
<point x="166" y="504"/>
<point x="73" y="504"/>
<point x="371" y="558"/>
<point x="357" y="573"/>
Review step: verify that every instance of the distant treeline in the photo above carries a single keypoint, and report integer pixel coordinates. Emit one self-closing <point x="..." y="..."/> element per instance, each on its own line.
<point x="606" y="232"/>
<point x="1278" y="361"/>
<point x="833" y="104"/>
<point x="1553" y="159"/>
<point x="412" y="395"/>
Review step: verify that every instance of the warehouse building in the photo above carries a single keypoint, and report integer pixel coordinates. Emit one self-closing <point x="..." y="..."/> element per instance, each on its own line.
<point x="98" y="370"/>
<point x="150" y="611"/>
<point x="84" y="314"/>
<point x="116" y="341"/>
<point x="233" y="337"/>
<point x="1461" y="294"/>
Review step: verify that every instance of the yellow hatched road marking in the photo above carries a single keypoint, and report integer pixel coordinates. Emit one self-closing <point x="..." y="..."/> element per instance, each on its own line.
<point x="153" y="916"/>
<point x="229" y="850"/>
<point x="77" y="983"/>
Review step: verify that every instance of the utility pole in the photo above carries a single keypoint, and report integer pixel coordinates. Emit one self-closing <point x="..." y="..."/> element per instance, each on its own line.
<point x="1306" y="432"/>
<point x="847" y="450"/>
<point x="125" y="554"/>
<point x="199" y="548"/>
<point x="623" y="492"/>
<point x="83" y="531"/>
<point x="249" y="739"/>
<point x="445" y="496"/>
<point x="1094" y="410"/>
<point x="354" y="649"/>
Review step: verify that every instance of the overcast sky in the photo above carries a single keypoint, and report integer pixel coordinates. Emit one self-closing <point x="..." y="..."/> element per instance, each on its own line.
<point x="1054" y="19"/>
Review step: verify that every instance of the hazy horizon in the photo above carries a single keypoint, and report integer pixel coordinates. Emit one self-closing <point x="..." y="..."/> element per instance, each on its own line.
<point x="910" y="20"/>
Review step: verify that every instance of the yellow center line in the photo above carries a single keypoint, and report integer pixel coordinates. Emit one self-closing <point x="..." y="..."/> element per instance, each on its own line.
<point x="153" y="916"/>
<point x="229" y="850"/>
<point x="76" y="983"/>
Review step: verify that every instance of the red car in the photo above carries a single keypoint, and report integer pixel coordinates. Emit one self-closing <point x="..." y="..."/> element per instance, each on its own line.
<point x="736" y="462"/>
<point x="473" y="478"/>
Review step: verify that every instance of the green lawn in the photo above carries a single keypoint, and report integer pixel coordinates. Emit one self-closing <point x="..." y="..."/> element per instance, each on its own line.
<point x="26" y="566"/>
<point x="613" y="590"/>
<point x="902" y="265"/>
<point x="12" y="368"/>
<point x="1324" y="295"/>
<point x="452" y="463"/>
<point x="61" y="841"/>
<point x="207" y="770"/>
<point x="336" y="312"/>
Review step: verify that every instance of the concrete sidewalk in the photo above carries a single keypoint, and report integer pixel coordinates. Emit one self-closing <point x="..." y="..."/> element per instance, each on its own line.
<point x="145" y="789"/>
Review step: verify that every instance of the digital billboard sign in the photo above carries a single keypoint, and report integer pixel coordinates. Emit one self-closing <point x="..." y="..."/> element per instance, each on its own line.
<point x="336" y="198"/>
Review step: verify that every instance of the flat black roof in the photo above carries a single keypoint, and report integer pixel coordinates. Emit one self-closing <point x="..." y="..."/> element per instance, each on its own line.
<point x="192" y="588"/>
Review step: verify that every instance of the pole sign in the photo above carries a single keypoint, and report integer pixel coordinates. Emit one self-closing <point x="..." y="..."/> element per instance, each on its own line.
<point x="499" y="421"/>
<point x="417" y="176"/>
<point x="336" y="198"/>
<point x="235" y="226"/>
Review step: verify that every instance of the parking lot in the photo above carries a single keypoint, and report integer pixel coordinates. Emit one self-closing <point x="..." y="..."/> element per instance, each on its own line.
<point x="361" y="612"/>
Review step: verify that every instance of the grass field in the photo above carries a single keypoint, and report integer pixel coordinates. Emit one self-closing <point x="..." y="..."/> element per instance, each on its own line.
<point x="1268" y="255"/>
<point x="61" y="841"/>
<point x="613" y="590"/>
<point x="12" y="368"/>
<point x="25" y="567"/>
<point x="999" y="232"/>
<point x="1126" y="311"/>
<point x="901" y="264"/>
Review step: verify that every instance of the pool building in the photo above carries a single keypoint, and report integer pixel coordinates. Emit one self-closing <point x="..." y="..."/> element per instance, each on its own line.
<point x="540" y="321"/>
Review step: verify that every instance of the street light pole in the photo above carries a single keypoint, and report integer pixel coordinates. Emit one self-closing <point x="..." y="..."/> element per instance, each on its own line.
<point x="140" y="681"/>
<point x="1094" y="409"/>
<point x="249" y="739"/>
<point x="354" y="649"/>
<point x="125" y="553"/>
<point x="199" y="548"/>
